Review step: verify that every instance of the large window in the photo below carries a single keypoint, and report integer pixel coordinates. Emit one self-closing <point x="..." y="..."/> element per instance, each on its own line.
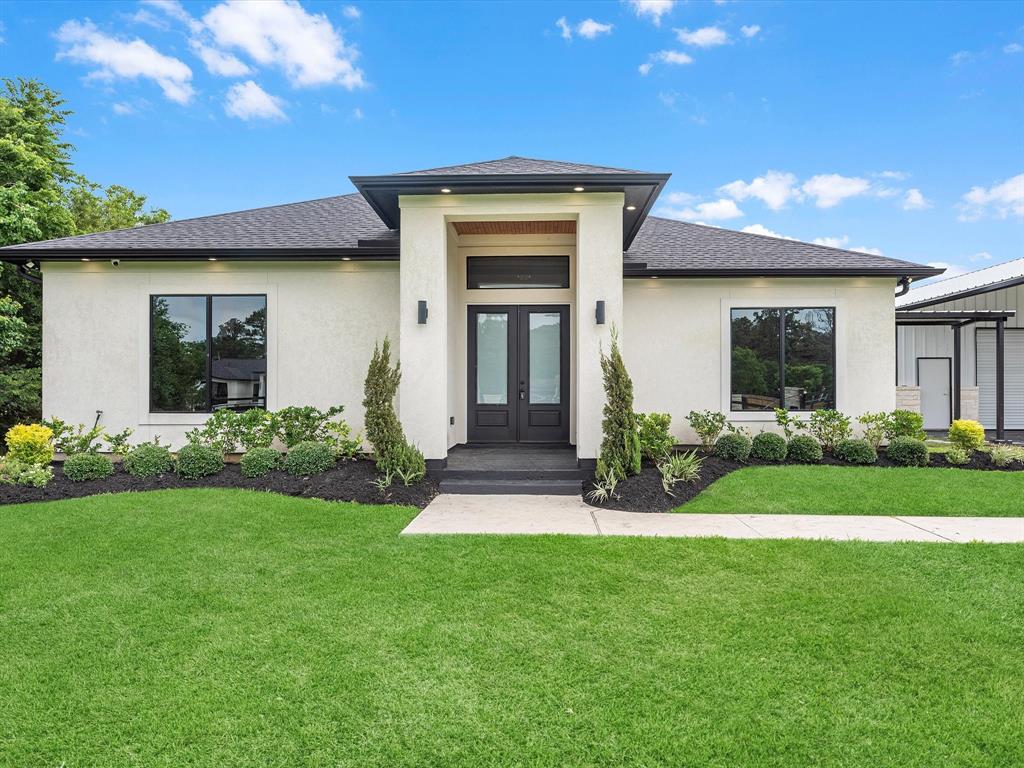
<point x="783" y="358"/>
<point x="517" y="272"/>
<point x="207" y="353"/>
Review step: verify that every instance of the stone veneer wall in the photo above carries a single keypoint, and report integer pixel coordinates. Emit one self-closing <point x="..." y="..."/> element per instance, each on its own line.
<point x="969" y="403"/>
<point x="908" y="399"/>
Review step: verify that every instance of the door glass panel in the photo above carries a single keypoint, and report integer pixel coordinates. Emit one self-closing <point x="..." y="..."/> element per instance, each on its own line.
<point x="492" y="358"/>
<point x="545" y="357"/>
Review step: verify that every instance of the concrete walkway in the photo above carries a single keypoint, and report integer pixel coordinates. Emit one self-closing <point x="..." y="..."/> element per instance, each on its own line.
<point x="450" y="513"/>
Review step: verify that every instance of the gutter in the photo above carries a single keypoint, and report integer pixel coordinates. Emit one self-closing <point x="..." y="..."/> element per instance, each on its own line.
<point x="904" y="284"/>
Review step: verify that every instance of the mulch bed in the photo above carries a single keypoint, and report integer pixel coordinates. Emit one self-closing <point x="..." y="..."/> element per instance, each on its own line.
<point x="347" y="481"/>
<point x="644" y="492"/>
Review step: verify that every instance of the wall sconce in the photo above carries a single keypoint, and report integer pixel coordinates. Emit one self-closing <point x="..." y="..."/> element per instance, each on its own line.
<point x="421" y="312"/>
<point x="599" y="312"/>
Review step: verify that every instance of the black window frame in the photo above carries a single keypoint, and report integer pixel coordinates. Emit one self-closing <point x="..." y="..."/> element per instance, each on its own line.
<point x="782" y="353"/>
<point x="471" y="260"/>
<point x="209" y="297"/>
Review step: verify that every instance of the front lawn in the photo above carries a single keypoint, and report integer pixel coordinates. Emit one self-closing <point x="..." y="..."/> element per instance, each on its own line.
<point x="224" y="627"/>
<point x="837" y="490"/>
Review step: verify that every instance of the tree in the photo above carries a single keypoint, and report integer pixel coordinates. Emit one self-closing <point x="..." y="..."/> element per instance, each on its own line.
<point x="620" y="446"/>
<point x="12" y="327"/>
<point x="117" y="208"/>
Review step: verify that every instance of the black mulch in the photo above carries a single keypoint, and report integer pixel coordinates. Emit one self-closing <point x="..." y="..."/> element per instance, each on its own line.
<point x="347" y="481"/>
<point x="644" y="492"/>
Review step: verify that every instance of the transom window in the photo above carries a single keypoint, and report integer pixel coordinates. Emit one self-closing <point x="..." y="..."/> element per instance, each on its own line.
<point x="783" y="358"/>
<point x="517" y="272"/>
<point x="207" y="353"/>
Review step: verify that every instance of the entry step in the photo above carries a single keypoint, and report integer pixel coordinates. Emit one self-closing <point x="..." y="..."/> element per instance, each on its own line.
<point x="524" y="486"/>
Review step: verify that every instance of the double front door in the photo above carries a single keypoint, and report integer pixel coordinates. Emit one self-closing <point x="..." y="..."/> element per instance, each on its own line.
<point x="518" y="374"/>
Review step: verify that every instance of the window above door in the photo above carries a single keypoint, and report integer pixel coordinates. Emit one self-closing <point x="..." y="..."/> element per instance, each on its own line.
<point x="490" y="272"/>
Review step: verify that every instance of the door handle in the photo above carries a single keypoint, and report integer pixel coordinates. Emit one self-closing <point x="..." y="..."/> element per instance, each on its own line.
<point x="522" y="390"/>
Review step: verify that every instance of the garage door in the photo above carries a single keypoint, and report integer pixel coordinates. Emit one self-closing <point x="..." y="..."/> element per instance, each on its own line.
<point x="1013" y="401"/>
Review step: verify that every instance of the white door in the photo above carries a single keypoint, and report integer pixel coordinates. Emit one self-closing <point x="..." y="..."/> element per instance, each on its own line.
<point x="1013" y="377"/>
<point x="933" y="379"/>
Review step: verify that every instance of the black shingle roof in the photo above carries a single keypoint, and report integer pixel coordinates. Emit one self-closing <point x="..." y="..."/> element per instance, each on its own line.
<point x="514" y="165"/>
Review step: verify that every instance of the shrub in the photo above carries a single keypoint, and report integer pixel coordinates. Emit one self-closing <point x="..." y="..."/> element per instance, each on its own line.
<point x="30" y="444"/>
<point x="256" y="428"/>
<point x="118" y="442"/>
<point x="829" y="427"/>
<point x="87" y="466"/>
<point x="605" y="482"/>
<point x="147" y="460"/>
<point x="856" y="452"/>
<point x="407" y="462"/>
<point x="1005" y="455"/>
<point x="908" y="451"/>
<point x="957" y="456"/>
<point x="14" y="471"/>
<point x="383" y="429"/>
<point x="789" y="423"/>
<point x="309" y="458"/>
<point x="195" y="461"/>
<point x="874" y="427"/>
<point x="306" y="424"/>
<point x="680" y="468"/>
<point x="620" y="446"/>
<point x="902" y="423"/>
<point x="219" y="430"/>
<point x="768" y="446"/>
<point x="655" y="439"/>
<point x="804" y="449"/>
<point x="258" y="461"/>
<point x="70" y="440"/>
<point x="708" y="425"/>
<point x="734" y="447"/>
<point x="967" y="434"/>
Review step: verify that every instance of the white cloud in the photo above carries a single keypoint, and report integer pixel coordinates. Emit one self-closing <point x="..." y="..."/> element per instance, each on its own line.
<point x="952" y="270"/>
<point x="1002" y="200"/>
<point x="219" y="62"/>
<point x="894" y="175"/>
<point x="590" y="29"/>
<point x="705" y="37"/>
<point x="652" y="9"/>
<point x="122" y="108"/>
<point x="866" y="249"/>
<point x="645" y="68"/>
<point x="142" y="16"/>
<point x="750" y="31"/>
<point x="774" y="189"/>
<point x="357" y="114"/>
<point x="830" y="189"/>
<point x="563" y="25"/>
<point x="351" y="12"/>
<point x="960" y="57"/>
<point x="887" y="191"/>
<point x="980" y="256"/>
<point x="718" y="210"/>
<point x="247" y="101"/>
<point x="175" y="10"/>
<point x="82" y="42"/>
<point x="281" y="33"/>
<point x="1013" y="48"/>
<point x="761" y="229"/>
<point x="832" y="242"/>
<point x="674" y="57"/>
<point x="915" y="201"/>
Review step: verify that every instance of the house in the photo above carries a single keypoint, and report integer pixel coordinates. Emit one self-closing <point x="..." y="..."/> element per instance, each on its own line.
<point x="951" y="335"/>
<point x="500" y="283"/>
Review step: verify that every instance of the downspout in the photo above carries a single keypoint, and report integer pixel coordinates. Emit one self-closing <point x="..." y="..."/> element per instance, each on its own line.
<point x="904" y="284"/>
<point x="30" y="276"/>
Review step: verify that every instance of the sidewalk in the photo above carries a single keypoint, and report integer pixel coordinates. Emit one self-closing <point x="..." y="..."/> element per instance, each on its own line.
<point x="450" y="513"/>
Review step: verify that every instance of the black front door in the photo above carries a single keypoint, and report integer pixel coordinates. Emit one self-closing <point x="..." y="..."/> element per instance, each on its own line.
<point x="518" y="374"/>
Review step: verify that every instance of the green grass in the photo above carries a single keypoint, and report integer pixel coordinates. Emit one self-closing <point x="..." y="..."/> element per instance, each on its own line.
<point x="832" y="490"/>
<point x="213" y="628"/>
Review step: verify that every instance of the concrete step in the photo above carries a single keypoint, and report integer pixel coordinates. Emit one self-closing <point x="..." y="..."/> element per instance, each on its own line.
<point x="569" y="473"/>
<point x="523" y="486"/>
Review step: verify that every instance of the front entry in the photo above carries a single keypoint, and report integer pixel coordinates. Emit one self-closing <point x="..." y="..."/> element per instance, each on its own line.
<point x="518" y="374"/>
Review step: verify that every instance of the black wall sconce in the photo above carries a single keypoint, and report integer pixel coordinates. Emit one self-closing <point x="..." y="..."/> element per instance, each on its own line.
<point x="421" y="312"/>
<point x="599" y="312"/>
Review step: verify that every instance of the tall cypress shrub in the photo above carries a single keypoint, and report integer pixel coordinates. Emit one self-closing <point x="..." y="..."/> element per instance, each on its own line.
<point x="383" y="429"/>
<point x="620" y="446"/>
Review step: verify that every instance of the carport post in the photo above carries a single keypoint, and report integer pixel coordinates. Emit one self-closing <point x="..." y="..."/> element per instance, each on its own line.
<point x="956" y="371"/>
<point x="1000" y="384"/>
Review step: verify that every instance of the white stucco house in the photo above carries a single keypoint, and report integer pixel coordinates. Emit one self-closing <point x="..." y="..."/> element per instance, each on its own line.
<point x="499" y="282"/>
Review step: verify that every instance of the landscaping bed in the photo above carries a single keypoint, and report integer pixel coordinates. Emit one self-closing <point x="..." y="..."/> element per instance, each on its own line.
<point x="345" y="481"/>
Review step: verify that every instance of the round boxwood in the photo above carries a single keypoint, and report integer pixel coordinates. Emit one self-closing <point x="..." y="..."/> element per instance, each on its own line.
<point x="147" y="460"/>
<point x="87" y="466"/>
<point x="803" y="449"/>
<point x="195" y="461"/>
<point x="733" y="446"/>
<point x="908" y="452"/>
<point x="309" y="458"/>
<point x="258" y="461"/>
<point x="768" y="446"/>
<point x="856" y="452"/>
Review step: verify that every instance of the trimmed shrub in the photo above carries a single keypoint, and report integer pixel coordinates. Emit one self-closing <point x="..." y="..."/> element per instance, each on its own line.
<point x="258" y="461"/>
<point x="407" y="462"/>
<point x="856" y="452"/>
<point x="908" y="452"/>
<point x="768" y="446"/>
<point x="195" y="461"/>
<point x="147" y="460"/>
<point x="967" y="434"/>
<point x="87" y="466"/>
<point x="309" y="458"/>
<point x="708" y="425"/>
<point x="13" y="471"/>
<point x="734" y="447"/>
<point x="30" y="444"/>
<point x="656" y="441"/>
<point x="957" y="456"/>
<point x="829" y="427"/>
<point x="804" y="449"/>
<point x="901" y="423"/>
<point x="620" y="446"/>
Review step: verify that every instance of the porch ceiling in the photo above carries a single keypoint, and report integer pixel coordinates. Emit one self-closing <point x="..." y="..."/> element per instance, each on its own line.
<point x="567" y="227"/>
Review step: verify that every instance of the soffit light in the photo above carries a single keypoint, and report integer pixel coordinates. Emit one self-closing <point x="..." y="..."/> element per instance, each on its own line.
<point x="84" y="259"/>
<point x="630" y="207"/>
<point x="577" y="189"/>
<point x="445" y="191"/>
<point x="346" y="258"/>
<point x="211" y="259"/>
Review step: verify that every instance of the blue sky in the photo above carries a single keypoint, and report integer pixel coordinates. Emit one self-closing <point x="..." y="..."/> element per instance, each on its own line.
<point x="886" y="126"/>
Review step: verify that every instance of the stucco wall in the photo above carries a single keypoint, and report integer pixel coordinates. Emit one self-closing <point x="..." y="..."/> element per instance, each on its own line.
<point x="676" y="342"/>
<point x="323" y="320"/>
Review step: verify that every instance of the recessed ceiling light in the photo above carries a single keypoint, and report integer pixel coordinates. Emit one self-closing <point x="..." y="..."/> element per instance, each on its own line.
<point x="211" y="259"/>
<point x="654" y="277"/>
<point x="630" y="207"/>
<point x="445" y="191"/>
<point x="577" y="189"/>
<point x="84" y="259"/>
<point x="346" y="258"/>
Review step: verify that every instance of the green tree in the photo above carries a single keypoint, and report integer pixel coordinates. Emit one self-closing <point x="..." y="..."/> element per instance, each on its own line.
<point x="117" y="208"/>
<point x="620" y="445"/>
